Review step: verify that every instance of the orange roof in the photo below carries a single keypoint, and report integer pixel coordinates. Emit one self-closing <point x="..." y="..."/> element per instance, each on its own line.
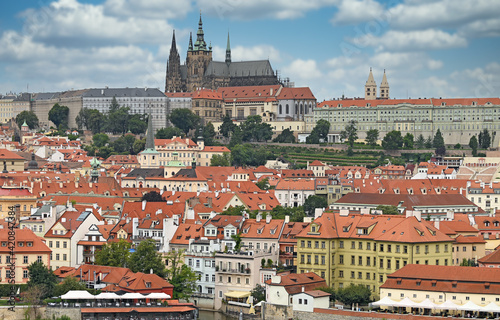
<point x="207" y="94"/>
<point x="186" y="141"/>
<point x="422" y="277"/>
<point x="9" y="155"/>
<point x="30" y="242"/>
<point x="253" y="229"/>
<point x="295" y="185"/>
<point x="469" y="239"/>
<point x="179" y="94"/>
<point x="393" y="102"/>
<point x="456" y="227"/>
<point x="492" y="258"/>
<point x="294" y="282"/>
<point x="296" y="93"/>
<point x="249" y="92"/>
<point x="317" y="163"/>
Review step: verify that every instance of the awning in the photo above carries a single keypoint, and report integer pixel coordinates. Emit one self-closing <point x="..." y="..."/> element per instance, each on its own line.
<point x="447" y="305"/>
<point x="426" y="304"/>
<point x="157" y="295"/>
<point x="492" y="307"/>
<point x="385" y="301"/>
<point x="470" y="306"/>
<point x="237" y="294"/>
<point x="132" y="295"/>
<point x="107" y="295"/>
<point x="77" y="295"/>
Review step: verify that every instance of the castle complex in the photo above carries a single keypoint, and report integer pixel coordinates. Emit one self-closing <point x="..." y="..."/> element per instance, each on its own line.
<point x="200" y="71"/>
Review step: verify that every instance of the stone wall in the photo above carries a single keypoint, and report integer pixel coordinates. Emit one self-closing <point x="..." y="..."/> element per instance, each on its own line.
<point x="329" y="314"/>
<point x="277" y="312"/>
<point x="73" y="313"/>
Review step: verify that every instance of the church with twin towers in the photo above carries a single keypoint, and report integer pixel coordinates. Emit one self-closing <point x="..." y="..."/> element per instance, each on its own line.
<point x="200" y="71"/>
<point x="371" y="88"/>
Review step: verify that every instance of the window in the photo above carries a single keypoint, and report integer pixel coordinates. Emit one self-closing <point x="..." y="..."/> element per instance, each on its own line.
<point x="417" y="249"/>
<point x="381" y="278"/>
<point x="50" y="244"/>
<point x="397" y="264"/>
<point x="316" y="244"/>
<point x="426" y="249"/>
<point x="397" y="248"/>
<point x="360" y="275"/>
<point x="405" y="249"/>
<point x="65" y="256"/>
<point x="229" y="279"/>
<point x="368" y="276"/>
<point x="389" y="263"/>
<point x="323" y="261"/>
<point x="308" y="259"/>
<point x="437" y="248"/>
<point x="25" y="274"/>
<point x="309" y="244"/>
<point x="341" y="259"/>
<point x="57" y="244"/>
<point x="57" y="256"/>
<point x="389" y="248"/>
<point x="316" y="259"/>
<point x="368" y="246"/>
<point x="341" y="273"/>
<point x="464" y="249"/>
<point x="353" y="245"/>
<point x="341" y="244"/>
<point x="381" y="248"/>
<point x="353" y="258"/>
<point x="368" y="261"/>
<point x="301" y="258"/>
<point x="302" y="243"/>
<point x="381" y="263"/>
<point x="25" y="259"/>
<point x="323" y="244"/>
<point x="352" y="274"/>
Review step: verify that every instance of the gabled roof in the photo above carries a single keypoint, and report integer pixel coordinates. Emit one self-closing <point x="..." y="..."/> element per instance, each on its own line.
<point x="294" y="282"/>
<point x="492" y="258"/>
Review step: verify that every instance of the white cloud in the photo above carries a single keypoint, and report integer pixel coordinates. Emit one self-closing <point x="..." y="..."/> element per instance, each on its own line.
<point x="259" y="9"/>
<point x="301" y="71"/>
<point x="480" y="81"/>
<point x="70" y="23"/>
<point x="424" y="40"/>
<point x="445" y="13"/>
<point x="357" y="11"/>
<point x="156" y="9"/>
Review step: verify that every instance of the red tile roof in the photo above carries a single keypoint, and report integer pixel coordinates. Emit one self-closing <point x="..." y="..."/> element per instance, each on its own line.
<point x="31" y="243"/>
<point x="294" y="282"/>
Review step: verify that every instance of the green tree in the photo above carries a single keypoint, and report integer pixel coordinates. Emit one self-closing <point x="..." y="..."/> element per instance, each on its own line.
<point x="234" y="211"/>
<point x="286" y="136"/>
<point x="392" y="140"/>
<point x="408" y="141"/>
<point x="68" y="284"/>
<point x="438" y="143"/>
<point x="390" y="210"/>
<point x="420" y="142"/>
<point x="296" y="214"/>
<point x="350" y="133"/>
<point x="90" y="119"/>
<point x="258" y="293"/>
<point x="227" y="126"/>
<point x="118" y="120"/>
<point x="124" y="144"/>
<point x="313" y="202"/>
<point x="114" y="254"/>
<point x="319" y="132"/>
<point x="354" y="294"/>
<point x="372" y="137"/>
<point x="146" y="258"/>
<point x="104" y="152"/>
<point x="484" y="139"/>
<point x="30" y="118"/>
<point x="223" y="160"/>
<point x="113" y="106"/>
<point x="139" y="145"/>
<point x="42" y="277"/>
<point x="59" y="115"/>
<point x="236" y="138"/>
<point x="137" y="124"/>
<point x="153" y="196"/>
<point x="473" y="144"/>
<point x="263" y="184"/>
<point x="457" y="146"/>
<point x="184" y="119"/>
<point x="237" y="239"/>
<point x="253" y="129"/>
<point x="180" y="275"/>
<point x="168" y="133"/>
<point x="100" y="140"/>
<point x="428" y="142"/>
<point x="208" y="134"/>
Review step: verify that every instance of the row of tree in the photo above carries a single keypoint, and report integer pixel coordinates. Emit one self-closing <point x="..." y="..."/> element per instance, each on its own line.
<point x="126" y="144"/>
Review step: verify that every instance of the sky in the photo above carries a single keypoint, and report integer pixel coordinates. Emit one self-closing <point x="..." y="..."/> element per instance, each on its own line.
<point x="442" y="48"/>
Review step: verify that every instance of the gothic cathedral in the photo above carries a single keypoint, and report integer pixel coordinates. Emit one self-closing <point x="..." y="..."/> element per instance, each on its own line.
<point x="200" y="71"/>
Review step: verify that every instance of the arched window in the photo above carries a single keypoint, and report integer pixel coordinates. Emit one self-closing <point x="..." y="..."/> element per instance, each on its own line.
<point x="301" y="109"/>
<point x="287" y="109"/>
<point x="281" y="109"/>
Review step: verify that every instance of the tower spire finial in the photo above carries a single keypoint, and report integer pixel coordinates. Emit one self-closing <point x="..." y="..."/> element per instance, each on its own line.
<point x="228" y="51"/>
<point x="190" y="47"/>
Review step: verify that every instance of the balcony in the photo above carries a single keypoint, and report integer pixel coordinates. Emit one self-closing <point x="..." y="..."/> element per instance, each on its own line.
<point x="233" y="271"/>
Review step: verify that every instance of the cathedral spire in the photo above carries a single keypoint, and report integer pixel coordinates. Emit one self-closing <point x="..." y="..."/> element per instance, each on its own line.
<point x="370" y="87"/>
<point x="228" y="51"/>
<point x="384" y="87"/>
<point x="190" y="47"/>
<point x="200" y="44"/>
<point x="150" y="139"/>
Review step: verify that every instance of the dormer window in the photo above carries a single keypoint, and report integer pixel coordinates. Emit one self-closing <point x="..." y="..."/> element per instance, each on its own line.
<point x="313" y="228"/>
<point x="486" y="223"/>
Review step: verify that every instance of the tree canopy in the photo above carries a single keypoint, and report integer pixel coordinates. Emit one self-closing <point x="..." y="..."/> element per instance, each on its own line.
<point x="30" y="118"/>
<point x="438" y="143"/>
<point x="473" y="144"/>
<point x="223" y="160"/>
<point x="114" y="254"/>
<point x="286" y="136"/>
<point x="313" y="202"/>
<point x="484" y="139"/>
<point x="408" y="141"/>
<point x="319" y="132"/>
<point x="42" y="277"/>
<point x="184" y="119"/>
<point x="227" y="126"/>
<point x="253" y="129"/>
<point x="180" y="275"/>
<point x="153" y="196"/>
<point x="350" y="133"/>
<point x="392" y="140"/>
<point x="146" y="258"/>
<point x="168" y="133"/>
<point x="354" y="294"/>
<point x="372" y="137"/>
<point x="59" y="115"/>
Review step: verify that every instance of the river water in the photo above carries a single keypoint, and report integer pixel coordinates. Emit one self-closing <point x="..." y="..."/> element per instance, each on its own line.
<point x="213" y="315"/>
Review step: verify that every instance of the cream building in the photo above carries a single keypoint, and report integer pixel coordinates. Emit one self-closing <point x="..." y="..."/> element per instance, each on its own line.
<point x="458" y="119"/>
<point x="62" y="238"/>
<point x="28" y="248"/>
<point x="459" y="285"/>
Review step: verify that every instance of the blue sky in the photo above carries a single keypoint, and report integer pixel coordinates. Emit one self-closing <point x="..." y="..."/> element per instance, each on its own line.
<point x="447" y="48"/>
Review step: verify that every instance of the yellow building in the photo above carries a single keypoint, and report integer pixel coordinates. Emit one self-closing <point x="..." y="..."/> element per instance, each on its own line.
<point x="11" y="161"/>
<point x="459" y="285"/>
<point x="10" y="197"/>
<point x="364" y="249"/>
<point x="28" y="248"/>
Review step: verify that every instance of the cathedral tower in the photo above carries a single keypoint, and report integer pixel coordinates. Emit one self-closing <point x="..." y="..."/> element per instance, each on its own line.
<point x="198" y="58"/>
<point x="173" y="81"/>
<point x="384" y="88"/>
<point x="228" y="51"/>
<point x="370" y="87"/>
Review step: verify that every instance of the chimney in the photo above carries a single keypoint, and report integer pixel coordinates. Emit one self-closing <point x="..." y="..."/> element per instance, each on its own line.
<point x="287" y="219"/>
<point x="268" y="218"/>
<point x="303" y="288"/>
<point x="209" y="200"/>
<point x="436" y="224"/>
<point x="258" y="217"/>
<point x="144" y="205"/>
